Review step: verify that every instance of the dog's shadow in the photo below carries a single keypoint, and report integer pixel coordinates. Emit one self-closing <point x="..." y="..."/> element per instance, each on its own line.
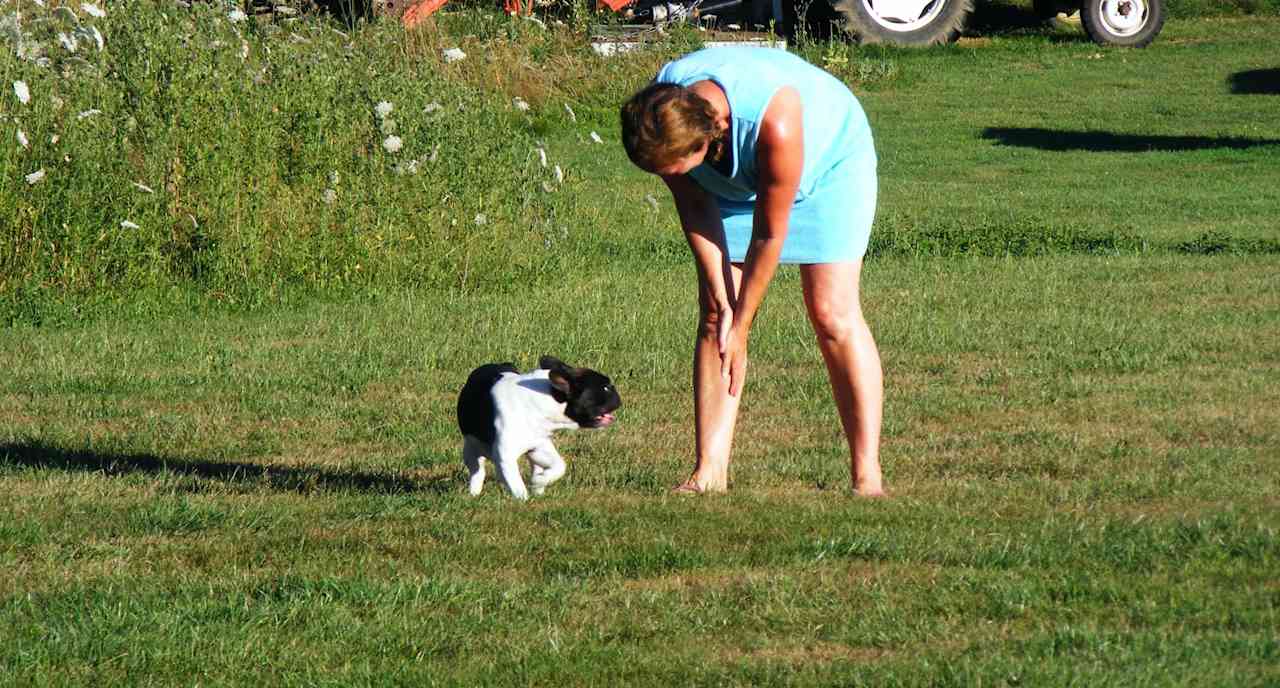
<point x="250" y="475"/>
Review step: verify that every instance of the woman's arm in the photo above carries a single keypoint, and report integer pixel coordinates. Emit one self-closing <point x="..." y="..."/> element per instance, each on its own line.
<point x="700" y="219"/>
<point x="780" y="162"/>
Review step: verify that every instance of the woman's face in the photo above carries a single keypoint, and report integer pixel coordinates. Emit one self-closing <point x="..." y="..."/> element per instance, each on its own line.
<point x="683" y="165"/>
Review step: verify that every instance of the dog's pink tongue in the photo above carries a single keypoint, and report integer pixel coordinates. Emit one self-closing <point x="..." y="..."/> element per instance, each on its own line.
<point x="604" y="419"/>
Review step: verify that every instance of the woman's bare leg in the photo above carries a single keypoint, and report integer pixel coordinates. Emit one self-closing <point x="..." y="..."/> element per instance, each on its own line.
<point x="833" y="300"/>
<point x="715" y="412"/>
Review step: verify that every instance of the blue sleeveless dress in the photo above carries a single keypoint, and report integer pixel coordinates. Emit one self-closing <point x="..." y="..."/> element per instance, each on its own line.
<point x="835" y="204"/>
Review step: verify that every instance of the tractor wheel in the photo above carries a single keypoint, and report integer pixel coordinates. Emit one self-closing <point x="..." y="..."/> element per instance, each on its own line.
<point x="1128" y="23"/>
<point x="904" y="22"/>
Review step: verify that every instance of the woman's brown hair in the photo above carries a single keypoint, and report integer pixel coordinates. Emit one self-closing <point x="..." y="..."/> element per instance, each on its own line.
<point x="665" y="122"/>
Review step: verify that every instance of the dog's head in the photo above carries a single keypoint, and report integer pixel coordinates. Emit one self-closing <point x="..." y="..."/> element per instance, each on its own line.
<point x="589" y="397"/>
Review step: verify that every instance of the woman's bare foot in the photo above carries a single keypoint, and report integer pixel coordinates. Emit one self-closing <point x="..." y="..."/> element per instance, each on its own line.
<point x="869" y="489"/>
<point x="688" y="487"/>
<point x="696" y="485"/>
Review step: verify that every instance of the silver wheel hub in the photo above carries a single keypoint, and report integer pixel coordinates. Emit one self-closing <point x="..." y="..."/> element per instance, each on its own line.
<point x="903" y="15"/>
<point x="1123" y="17"/>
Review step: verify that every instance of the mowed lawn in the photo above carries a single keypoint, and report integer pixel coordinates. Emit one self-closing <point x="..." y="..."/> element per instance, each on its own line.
<point x="1080" y="436"/>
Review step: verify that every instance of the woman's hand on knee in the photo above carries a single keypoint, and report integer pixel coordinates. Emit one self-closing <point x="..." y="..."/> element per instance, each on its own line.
<point x="733" y="359"/>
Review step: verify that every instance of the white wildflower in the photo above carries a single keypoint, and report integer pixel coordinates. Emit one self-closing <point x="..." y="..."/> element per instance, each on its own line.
<point x="454" y="54"/>
<point x="520" y="104"/>
<point x="90" y="35"/>
<point x="481" y="220"/>
<point x="144" y="187"/>
<point x="333" y="178"/>
<point x="572" y="117"/>
<point x="653" y="202"/>
<point x="68" y="42"/>
<point x="734" y="27"/>
<point x="330" y="196"/>
<point x="559" y="175"/>
<point x="431" y="107"/>
<point x="237" y="16"/>
<point x="20" y="89"/>
<point x="392" y="144"/>
<point x="596" y="137"/>
<point x="125" y="224"/>
<point x="88" y="113"/>
<point x="11" y="31"/>
<point x="53" y="140"/>
<point x="35" y="177"/>
<point x="542" y="157"/>
<point x="22" y="139"/>
<point x="39" y="3"/>
<point x="92" y="10"/>
<point x="244" y="50"/>
<point x="383" y="108"/>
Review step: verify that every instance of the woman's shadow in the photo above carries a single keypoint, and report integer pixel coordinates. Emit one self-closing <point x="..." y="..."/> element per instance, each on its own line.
<point x="277" y="478"/>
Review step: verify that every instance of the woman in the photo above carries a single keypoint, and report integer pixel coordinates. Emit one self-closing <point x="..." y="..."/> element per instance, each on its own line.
<point x="769" y="160"/>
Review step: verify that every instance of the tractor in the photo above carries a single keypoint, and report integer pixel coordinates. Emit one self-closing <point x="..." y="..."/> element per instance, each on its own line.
<point x="1129" y="23"/>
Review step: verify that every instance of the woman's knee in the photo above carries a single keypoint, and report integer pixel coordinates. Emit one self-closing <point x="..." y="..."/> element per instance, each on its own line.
<point x="708" y="322"/>
<point x="834" y="321"/>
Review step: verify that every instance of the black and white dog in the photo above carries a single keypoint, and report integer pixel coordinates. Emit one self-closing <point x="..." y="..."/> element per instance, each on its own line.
<point x="504" y="415"/>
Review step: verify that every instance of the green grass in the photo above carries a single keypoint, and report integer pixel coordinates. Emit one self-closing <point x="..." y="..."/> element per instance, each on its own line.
<point x="238" y="465"/>
<point x="1084" y="492"/>
<point x="1018" y="141"/>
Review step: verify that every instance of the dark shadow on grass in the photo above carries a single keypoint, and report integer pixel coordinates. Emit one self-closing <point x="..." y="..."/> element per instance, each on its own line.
<point x="278" y="478"/>
<point x="1107" y="142"/>
<point x="1256" y="81"/>
<point x="1000" y="18"/>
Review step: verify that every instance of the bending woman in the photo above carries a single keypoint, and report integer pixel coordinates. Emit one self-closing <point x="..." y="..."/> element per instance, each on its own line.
<point x="769" y="160"/>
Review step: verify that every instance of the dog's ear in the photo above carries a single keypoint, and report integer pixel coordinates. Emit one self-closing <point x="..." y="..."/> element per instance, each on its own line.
<point x="550" y="363"/>
<point x="559" y="377"/>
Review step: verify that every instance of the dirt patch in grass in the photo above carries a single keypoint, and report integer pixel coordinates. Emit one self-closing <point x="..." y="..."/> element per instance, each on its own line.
<point x="818" y="652"/>
<point x="701" y="580"/>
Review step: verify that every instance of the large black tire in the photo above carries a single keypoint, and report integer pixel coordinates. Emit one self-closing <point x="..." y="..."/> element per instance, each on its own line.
<point x="938" y="21"/>
<point x="1128" y="23"/>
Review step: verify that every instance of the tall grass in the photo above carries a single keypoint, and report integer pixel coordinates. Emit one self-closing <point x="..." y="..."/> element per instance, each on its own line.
<point x="244" y="157"/>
